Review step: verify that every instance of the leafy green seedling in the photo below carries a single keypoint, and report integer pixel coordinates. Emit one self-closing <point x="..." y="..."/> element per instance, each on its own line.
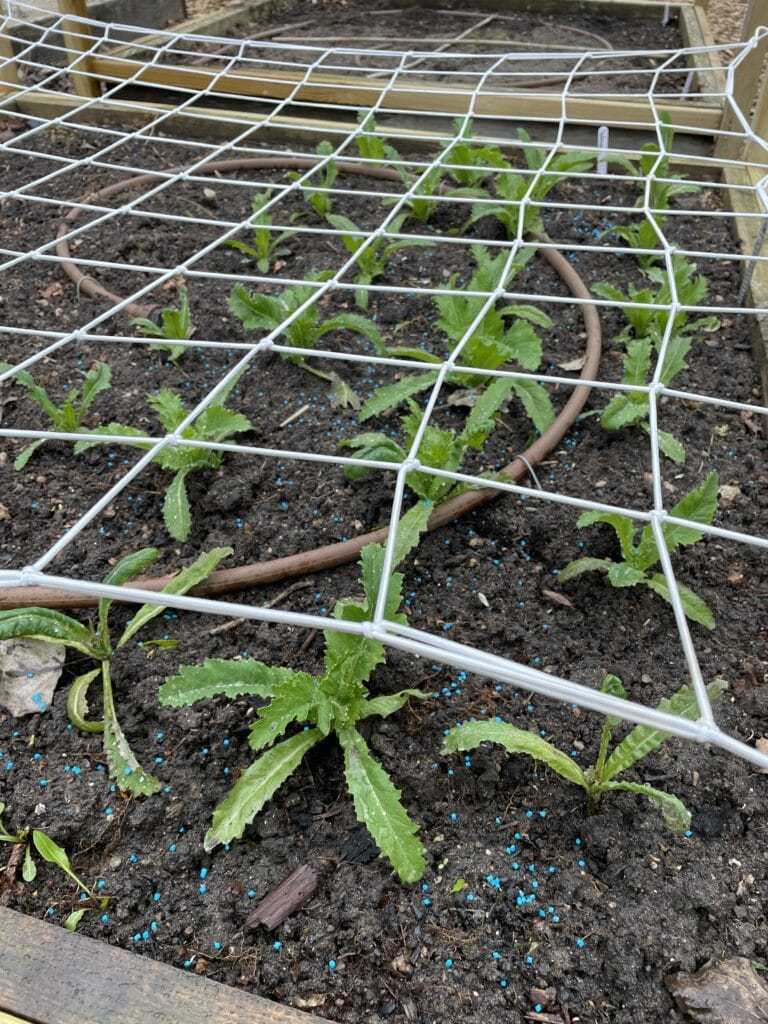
<point x="512" y="188"/>
<point x="50" y="851"/>
<point x="320" y="202"/>
<point x="372" y="146"/>
<point x="475" y="163"/>
<point x="270" y="312"/>
<point x="332" y="703"/>
<point x="216" y="424"/>
<point x="491" y="343"/>
<point x="94" y="641"/>
<point x="601" y="777"/>
<point x="441" y="449"/>
<point x="637" y="560"/>
<point x="69" y="417"/>
<point x="421" y="203"/>
<point x="266" y="245"/>
<point x="371" y="260"/>
<point x="175" y="325"/>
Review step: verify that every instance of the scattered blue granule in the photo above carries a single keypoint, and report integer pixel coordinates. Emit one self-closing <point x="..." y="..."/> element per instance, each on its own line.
<point x="332" y="964"/>
<point x="580" y="943"/>
<point x="203" y="890"/>
<point x="449" y="963"/>
<point x="276" y="946"/>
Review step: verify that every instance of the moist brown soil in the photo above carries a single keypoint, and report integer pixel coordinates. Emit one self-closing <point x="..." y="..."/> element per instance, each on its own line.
<point x="618" y="900"/>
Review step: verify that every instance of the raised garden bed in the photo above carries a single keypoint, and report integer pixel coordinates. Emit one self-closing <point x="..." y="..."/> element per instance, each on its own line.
<point x="619" y="902"/>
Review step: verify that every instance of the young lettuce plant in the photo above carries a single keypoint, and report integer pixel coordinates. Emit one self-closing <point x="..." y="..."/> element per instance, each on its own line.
<point x="175" y="325"/>
<point x="476" y="163"/>
<point x="332" y="703"/>
<point x="216" y="424"/>
<point x="67" y="418"/>
<point x="601" y="777"/>
<point x="441" y="449"/>
<point x="266" y="246"/>
<point x="95" y="642"/>
<point x="637" y="560"/>
<point x="372" y="146"/>
<point x="371" y="260"/>
<point x="268" y="313"/>
<point x="492" y="343"/>
<point x="320" y="202"/>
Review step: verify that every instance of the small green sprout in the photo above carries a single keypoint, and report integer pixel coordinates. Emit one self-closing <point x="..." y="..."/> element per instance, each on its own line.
<point x="216" y="424"/>
<point x="699" y="506"/>
<point x="371" y="260"/>
<point x="441" y="449"/>
<point x="601" y="777"/>
<point x="50" y="851"/>
<point x="321" y="202"/>
<point x="269" y="312"/>
<point x="476" y="163"/>
<point x="332" y="703"/>
<point x="94" y="641"/>
<point x="69" y="417"/>
<point x="372" y="146"/>
<point x="267" y="247"/>
<point x="175" y="325"/>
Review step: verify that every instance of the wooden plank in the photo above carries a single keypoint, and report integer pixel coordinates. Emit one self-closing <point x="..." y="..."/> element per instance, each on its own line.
<point x="694" y="29"/>
<point x="53" y="976"/>
<point x="76" y="39"/>
<point x="747" y="230"/>
<point x="9" y="74"/>
<point x="417" y="95"/>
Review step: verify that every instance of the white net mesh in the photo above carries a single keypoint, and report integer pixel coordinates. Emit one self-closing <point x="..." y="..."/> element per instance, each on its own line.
<point x="288" y="97"/>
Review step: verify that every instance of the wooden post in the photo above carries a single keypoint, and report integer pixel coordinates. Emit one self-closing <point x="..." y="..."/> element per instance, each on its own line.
<point x="9" y="72"/>
<point x="76" y="38"/>
<point x="746" y="83"/>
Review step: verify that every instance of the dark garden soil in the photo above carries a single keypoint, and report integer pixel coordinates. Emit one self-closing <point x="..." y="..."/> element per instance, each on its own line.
<point x="527" y="905"/>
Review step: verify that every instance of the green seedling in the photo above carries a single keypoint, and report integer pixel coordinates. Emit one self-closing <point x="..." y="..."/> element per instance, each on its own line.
<point x="333" y="703"/>
<point x="698" y="506"/>
<point x="601" y="777"/>
<point x="320" y="202"/>
<point x="175" y="325"/>
<point x="476" y="163"/>
<point x="372" y="259"/>
<point x="441" y="449"/>
<point x="422" y="202"/>
<point x="512" y="188"/>
<point x="662" y="186"/>
<point x="267" y="247"/>
<point x="69" y="417"/>
<point x="94" y="641"/>
<point x="372" y="146"/>
<point x="493" y="342"/>
<point x="50" y="852"/>
<point x="269" y="313"/>
<point x="215" y="424"/>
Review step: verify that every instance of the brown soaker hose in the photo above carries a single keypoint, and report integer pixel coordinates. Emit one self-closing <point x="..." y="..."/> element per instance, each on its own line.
<point x="245" y="577"/>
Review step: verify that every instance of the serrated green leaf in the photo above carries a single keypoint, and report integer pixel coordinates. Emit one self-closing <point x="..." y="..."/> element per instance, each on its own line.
<point x="378" y="807"/>
<point x="625" y="410"/>
<point x="613" y="685"/>
<point x="291" y="702"/>
<point x="168" y="408"/>
<point x="480" y="422"/>
<point x="521" y="344"/>
<point x="388" y="705"/>
<point x="48" y="625"/>
<point x="676" y="814"/>
<point x="669" y="445"/>
<point x="221" y="676"/>
<point x="623" y="575"/>
<point x="188" y="578"/>
<point x="97" y="379"/>
<point x="694" y="607"/>
<point x="469" y="735"/>
<point x="257" y="784"/>
<point x="350" y="658"/>
<point x="537" y="403"/>
<point x="217" y="423"/>
<point x="580" y="565"/>
<point x="532" y="314"/>
<point x="637" y="362"/>
<point x="176" y="512"/>
<point x="109" y="431"/>
<point x="643" y="738"/>
<point x="622" y="525"/>
<point x="342" y="395"/>
<point x="391" y="395"/>
<point x="699" y="505"/>
<point x="26" y="454"/>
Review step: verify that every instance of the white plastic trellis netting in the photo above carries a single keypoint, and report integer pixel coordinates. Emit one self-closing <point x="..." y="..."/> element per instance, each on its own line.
<point x="478" y="84"/>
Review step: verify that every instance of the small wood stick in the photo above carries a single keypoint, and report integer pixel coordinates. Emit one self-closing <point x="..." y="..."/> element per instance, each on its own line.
<point x="232" y="623"/>
<point x="291" y="895"/>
